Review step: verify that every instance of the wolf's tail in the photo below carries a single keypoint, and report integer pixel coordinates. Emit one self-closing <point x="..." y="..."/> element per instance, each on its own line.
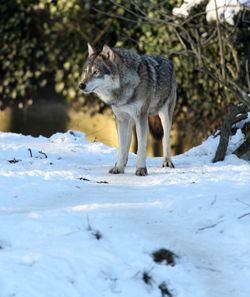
<point x="155" y="127"/>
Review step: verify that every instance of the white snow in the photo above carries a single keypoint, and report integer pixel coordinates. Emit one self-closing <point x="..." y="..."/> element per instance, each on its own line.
<point x="226" y="9"/>
<point x="185" y="7"/>
<point x="70" y="229"/>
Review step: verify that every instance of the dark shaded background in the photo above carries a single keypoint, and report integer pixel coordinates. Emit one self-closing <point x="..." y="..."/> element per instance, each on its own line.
<point x="44" y="44"/>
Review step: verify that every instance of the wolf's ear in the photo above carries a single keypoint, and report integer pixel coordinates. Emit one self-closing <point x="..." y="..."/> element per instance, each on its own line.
<point x="91" y="50"/>
<point x="108" y="53"/>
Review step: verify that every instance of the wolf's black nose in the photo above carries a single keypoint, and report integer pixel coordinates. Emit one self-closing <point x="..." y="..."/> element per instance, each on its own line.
<point x="82" y="86"/>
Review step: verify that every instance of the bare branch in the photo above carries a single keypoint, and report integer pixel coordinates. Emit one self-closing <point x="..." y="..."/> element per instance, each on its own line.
<point x="235" y="55"/>
<point x="231" y="85"/>
<point x="222" y="60"/>
<point x="115" y="16"/>
<point x="99" y="36"/>
<point x="247" y="74"/>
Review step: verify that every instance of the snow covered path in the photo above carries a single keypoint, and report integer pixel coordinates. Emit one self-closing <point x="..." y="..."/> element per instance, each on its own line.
<point x="68" y="228"/>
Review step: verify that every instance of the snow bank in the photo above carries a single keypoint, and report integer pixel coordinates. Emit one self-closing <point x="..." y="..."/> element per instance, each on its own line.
<point x="226" y="9"/>
<point x="68" y="228"/>
<point x="185" y="8"/>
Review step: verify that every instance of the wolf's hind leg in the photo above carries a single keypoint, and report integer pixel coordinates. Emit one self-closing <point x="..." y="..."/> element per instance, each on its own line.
<point x="166" y="120"/>
<point x="124" y="128"/>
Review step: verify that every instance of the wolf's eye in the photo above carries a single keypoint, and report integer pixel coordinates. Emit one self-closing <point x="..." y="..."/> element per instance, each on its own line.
<point x="95" y="72"/>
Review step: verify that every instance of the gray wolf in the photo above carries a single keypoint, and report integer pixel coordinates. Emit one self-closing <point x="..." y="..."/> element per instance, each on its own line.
<point x="136" y="87"/>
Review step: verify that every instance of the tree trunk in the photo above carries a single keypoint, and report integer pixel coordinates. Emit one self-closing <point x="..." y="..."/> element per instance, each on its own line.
<point x="236" y="114"/>
<point x="243" y="151"/>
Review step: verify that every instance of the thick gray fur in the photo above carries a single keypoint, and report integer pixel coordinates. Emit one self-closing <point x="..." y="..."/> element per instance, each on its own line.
<point x="135" y="86"/>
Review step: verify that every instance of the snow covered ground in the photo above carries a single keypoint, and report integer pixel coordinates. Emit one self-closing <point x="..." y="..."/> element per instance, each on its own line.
<point x="70" y="229"/>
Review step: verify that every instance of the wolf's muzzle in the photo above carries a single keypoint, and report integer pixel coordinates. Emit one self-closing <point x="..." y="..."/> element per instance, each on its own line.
<point x="82" y="86"/>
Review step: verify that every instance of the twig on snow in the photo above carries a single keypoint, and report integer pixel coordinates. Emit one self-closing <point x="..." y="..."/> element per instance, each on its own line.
<point x="243" y="202"/>
<point x="244" y="215"/>
<point x="30" y="151"/>
<point x="209" y="227"/>
<point x="14" y="161"/>
<point x="40" y="152"/>
<point x="214" y="201"/>
<point x="97" y="182"/>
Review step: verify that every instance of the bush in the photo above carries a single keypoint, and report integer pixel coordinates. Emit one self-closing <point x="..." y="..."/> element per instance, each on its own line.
<point x="44" y="44"/>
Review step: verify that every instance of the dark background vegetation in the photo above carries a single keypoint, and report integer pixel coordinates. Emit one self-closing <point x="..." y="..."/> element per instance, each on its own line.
<point x="44" y="44"/>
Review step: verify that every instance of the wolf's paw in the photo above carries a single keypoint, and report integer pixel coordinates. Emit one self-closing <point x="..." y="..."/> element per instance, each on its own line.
<point x="141" y="171"/>
<point x="116" y="170"/>
<point x="168" y="163"/>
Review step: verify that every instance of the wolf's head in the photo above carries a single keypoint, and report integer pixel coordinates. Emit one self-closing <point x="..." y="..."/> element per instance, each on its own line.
<point x="100" y="73"/>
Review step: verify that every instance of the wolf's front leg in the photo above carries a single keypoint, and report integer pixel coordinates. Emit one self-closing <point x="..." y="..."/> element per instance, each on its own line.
<point x="124" y="128"/>
<point x="142" y="132"/>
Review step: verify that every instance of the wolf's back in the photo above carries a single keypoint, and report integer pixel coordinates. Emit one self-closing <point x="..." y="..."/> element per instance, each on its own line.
<point x="157" y="75"/>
